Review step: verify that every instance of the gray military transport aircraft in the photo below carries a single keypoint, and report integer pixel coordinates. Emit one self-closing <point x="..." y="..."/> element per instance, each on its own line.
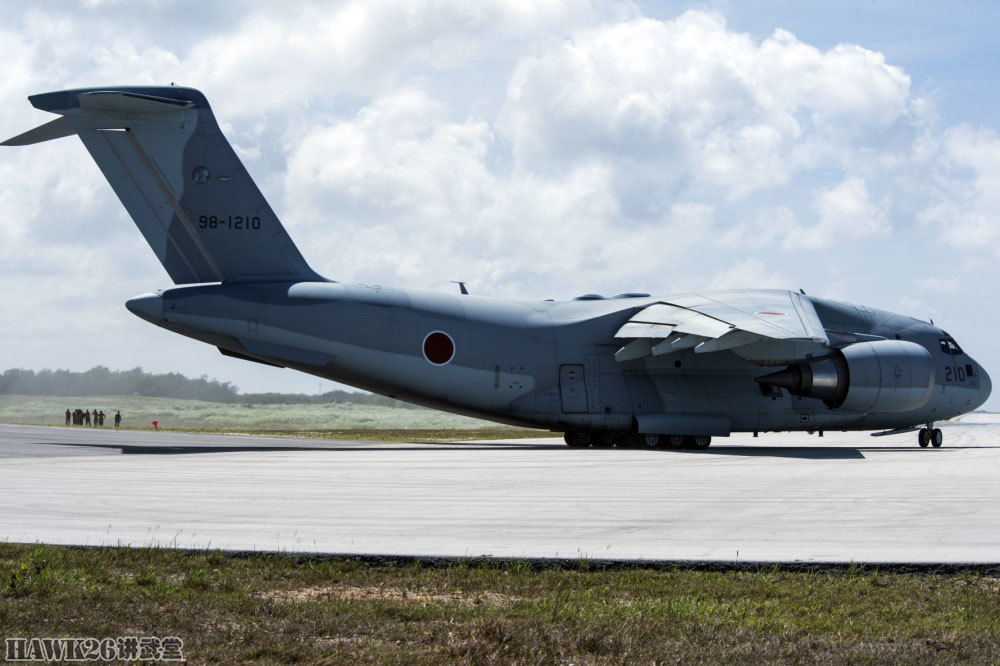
<point x="632" y="369"/>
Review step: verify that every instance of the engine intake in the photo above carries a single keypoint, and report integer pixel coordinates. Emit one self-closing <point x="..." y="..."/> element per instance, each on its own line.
<point x="881" y="376"/>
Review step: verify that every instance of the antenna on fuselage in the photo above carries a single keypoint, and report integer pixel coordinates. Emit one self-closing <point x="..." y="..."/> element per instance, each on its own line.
<point x="461" y="286"/>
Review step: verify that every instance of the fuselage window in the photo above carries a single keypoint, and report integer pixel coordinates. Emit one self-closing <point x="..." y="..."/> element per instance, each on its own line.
<point x="948" y="346"/>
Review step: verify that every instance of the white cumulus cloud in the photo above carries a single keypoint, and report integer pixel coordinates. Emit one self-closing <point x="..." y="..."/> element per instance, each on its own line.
<point x="966" y="212"/>
<point x="846" y="215"/>
<point x="689" y="102"/>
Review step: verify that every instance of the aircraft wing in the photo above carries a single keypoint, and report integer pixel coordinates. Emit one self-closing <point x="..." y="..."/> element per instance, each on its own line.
<point x="766" y="326"/>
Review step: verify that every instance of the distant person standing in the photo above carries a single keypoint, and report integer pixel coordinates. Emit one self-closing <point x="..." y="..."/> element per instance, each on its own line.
<point x="100" y="418"/>
<point x="68" y="416"/>
<point x="86" y="418"/>
<point x="94" y="414"/>
<point x="118" y="418"/>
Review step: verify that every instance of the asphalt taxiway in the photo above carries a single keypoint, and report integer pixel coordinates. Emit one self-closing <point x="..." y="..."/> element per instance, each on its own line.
<point x="783" y="497"/>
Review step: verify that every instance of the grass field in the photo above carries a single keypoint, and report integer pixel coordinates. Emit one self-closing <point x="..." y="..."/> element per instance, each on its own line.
<point x="175" y="414"/>
<point x="275" y="609"/>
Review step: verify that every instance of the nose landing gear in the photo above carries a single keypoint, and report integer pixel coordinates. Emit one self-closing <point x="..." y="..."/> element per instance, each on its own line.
<point x="930" y="435"/>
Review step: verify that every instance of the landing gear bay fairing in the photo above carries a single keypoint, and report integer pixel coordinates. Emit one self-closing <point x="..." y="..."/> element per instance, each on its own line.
<point x="633" y="369"/>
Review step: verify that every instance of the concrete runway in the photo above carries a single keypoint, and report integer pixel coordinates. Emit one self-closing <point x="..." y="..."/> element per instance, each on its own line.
<point x="784" y="497"/>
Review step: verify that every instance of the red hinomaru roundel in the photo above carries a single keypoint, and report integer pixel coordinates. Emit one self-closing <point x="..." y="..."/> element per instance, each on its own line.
<point x="439" y="348"/>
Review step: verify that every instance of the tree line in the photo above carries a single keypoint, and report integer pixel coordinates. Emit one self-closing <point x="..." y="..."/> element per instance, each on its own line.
<point x="101" y="381"/>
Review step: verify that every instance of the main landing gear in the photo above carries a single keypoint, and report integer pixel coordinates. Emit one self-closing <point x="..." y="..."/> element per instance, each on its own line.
<point x="675" y="441"/>
<point x="581" y="439"/>
<point x="577" y="439"/>
<point x="930" y="435"/>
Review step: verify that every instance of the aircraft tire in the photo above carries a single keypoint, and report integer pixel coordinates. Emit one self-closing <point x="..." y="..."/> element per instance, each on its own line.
<point x="634" y="440"/>
<point x="923" y="438"/>
<point x="651" y="441"/>
<point x="604" y="440"/>
<point x="677" y="441"/>
<point x="701" y="441"/>
<point x="937" y="438"/>
<point x="623" y="440"/>
<point x="576" y="440"/>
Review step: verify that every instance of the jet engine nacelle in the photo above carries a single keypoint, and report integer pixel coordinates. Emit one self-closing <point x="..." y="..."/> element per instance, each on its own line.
<point x="881" y="376"/>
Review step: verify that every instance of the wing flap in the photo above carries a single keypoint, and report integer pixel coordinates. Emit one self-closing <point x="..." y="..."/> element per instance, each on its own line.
<point x="732" y="339"/>
<point x="688" y="341"/>
<point x="644" y="330"/>
<point x="781" y="352"/>
<point x="765" y="326"/>
<point x="638" y="348"/>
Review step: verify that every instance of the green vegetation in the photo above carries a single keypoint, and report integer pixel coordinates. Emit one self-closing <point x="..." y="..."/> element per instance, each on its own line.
<point x="100" y="381"/>
<point x="297" y="419"/>
<point x="399" y="434"/>
<point x="277" y="609"/>
<point x="206" y="405"/>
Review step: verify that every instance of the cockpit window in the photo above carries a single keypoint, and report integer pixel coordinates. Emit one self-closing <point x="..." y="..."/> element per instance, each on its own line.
<point x="948" y="346"/>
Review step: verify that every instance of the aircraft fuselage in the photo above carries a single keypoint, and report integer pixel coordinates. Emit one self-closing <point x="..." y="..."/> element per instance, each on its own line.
<point x="544" y="364"/>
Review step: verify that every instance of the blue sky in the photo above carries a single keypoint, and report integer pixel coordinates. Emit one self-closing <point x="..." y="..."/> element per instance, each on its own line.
<point x="534" y="149"/>
<point x="950" y="50"/>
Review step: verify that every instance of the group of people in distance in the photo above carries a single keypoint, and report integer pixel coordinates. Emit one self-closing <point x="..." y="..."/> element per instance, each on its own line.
<point x="94" y="418"/>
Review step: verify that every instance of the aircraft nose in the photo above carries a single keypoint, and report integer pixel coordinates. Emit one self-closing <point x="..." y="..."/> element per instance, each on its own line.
<point x="147" y="306"/>
<point x="985" y="385"/>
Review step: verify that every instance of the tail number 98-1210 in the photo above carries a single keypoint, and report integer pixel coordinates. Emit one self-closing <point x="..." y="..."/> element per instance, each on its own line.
<point x="229" y="222"/>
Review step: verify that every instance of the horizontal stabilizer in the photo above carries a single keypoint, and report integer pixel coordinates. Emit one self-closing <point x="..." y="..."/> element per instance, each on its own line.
<point x="111" y="100"/>
<point x="55" y="129"/>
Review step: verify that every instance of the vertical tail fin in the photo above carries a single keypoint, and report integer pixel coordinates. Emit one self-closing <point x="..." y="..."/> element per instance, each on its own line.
<point x="164" y="155"/>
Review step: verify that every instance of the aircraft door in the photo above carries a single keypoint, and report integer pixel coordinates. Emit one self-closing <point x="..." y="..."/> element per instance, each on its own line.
<point x="572" y="388"/>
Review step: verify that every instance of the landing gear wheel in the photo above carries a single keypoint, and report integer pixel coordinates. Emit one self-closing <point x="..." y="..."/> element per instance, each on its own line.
<point x="937" y="439"/>
<point x="923" y="438"/>
<point x="651" y="441"/>
<point x="635" y="441"/>
<point x="605" y="440"/>
<point x="701" y="441"/>
<point x="623" y="440"/>
<point x="577" y="440"/>
<point x="677" y="441"/>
